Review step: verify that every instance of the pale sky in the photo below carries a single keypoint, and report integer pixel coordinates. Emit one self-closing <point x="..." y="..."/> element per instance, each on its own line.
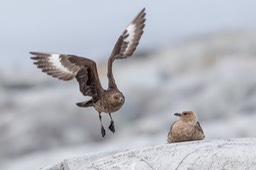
<point x="90" y="28"/>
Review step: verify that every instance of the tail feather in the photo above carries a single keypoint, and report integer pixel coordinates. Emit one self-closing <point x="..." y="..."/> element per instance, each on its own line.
<point x="85" y="104"/>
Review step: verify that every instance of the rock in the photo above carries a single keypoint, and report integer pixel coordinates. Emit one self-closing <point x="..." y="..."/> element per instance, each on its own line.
<point x="237" y="153"/>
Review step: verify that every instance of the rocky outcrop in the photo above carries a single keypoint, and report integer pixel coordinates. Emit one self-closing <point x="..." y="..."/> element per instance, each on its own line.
<point x="239" y="153"/>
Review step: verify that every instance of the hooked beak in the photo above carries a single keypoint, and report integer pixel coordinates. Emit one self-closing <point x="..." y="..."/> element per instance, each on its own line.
<point x="177" y="114"/>
<point x="122" y="100"/>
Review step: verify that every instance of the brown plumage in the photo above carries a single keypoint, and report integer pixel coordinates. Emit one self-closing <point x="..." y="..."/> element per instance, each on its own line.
<point x="67" y="67"/>
<point x="187" y="128"/>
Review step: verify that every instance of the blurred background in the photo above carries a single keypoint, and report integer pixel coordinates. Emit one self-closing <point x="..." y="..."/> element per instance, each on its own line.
<point x="194" y="55"/>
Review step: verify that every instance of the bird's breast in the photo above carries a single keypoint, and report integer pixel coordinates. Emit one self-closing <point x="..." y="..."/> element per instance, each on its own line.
<point x="182" y="130"/>
<point x="107" y="107"/>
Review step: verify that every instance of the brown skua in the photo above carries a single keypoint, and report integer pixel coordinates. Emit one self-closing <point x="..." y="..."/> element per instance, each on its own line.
<point x="187" y="128"/>
<point x="67" y="67"/>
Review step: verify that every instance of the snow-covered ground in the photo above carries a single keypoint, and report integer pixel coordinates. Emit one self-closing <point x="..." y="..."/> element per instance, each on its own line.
<point x="212" y="75"/>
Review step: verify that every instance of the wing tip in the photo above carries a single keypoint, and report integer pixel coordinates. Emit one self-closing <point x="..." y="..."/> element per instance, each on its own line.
<point x="143" y="12"/>
<point x="36" y="55"/>
<point x="33" y="57"/>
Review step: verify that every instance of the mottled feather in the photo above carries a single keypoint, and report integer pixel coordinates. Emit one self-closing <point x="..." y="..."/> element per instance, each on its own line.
<point x="187" y="128"/>
<point x="68" y="67"/>
<point x="126" y="43"/>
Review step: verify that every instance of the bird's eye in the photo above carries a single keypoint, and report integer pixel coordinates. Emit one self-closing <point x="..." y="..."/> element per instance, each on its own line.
<point x="185" y="113"/>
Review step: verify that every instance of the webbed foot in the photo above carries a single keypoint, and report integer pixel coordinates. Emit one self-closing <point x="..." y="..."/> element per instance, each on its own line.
<point x="103" y="132"/>
<point x="112" y="126"/>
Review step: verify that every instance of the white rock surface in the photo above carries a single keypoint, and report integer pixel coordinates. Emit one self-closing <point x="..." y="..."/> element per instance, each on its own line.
<point x="237" y="153"/>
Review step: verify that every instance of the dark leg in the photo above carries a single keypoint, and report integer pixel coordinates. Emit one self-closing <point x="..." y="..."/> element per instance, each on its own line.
<point x="111" y="126"/>
<point x="103" y="132"/>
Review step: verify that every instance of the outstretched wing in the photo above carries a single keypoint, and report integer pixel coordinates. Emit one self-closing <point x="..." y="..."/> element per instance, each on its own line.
<point x="127" y="43"/>
<point x="129" y="40"/>
<point x="56" y="65"/>
<point x="67" y="67"/>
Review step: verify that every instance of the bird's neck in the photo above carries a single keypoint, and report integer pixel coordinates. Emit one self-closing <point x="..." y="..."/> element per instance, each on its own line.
<point x="189" y="121"/>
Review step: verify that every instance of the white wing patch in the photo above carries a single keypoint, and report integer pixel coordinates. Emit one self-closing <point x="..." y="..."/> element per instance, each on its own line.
<point x="131" y="32"/>
<point x="54" y="59"/>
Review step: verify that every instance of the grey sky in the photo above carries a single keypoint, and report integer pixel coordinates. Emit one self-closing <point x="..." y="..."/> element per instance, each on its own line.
<point x="90" y="28"/>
